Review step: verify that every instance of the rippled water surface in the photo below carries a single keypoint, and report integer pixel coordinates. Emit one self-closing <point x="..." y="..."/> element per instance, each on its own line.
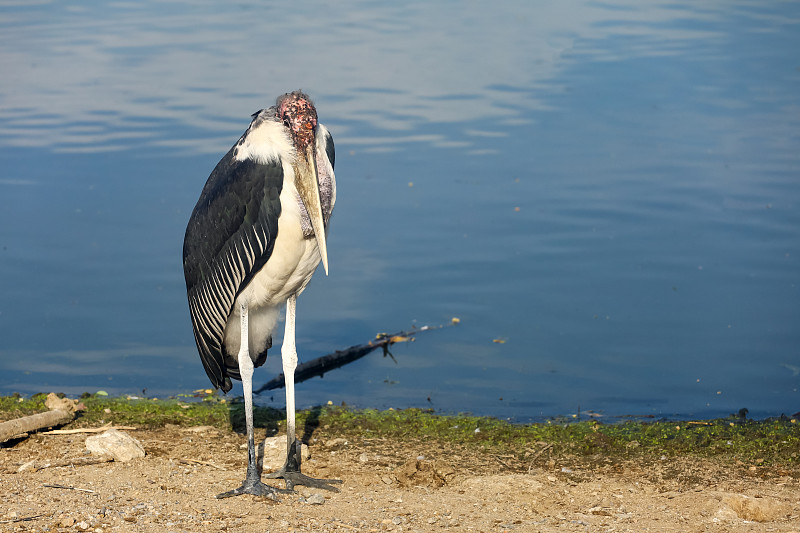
<point x="607" y="194"/>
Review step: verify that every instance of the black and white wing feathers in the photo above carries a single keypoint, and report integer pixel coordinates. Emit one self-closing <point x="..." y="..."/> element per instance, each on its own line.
<point x="230" y="236"/>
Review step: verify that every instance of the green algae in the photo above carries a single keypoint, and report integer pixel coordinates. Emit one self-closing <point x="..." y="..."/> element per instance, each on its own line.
<point x="774" y="441"/>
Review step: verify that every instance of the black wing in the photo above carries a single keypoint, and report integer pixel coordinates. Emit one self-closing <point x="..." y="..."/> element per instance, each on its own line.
<point x="230" y="236"/>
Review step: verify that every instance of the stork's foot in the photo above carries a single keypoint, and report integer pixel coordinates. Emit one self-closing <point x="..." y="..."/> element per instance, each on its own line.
<point x="298" y="478"/>
<point x="290" y="472"/>
<point x="255" y="487"/>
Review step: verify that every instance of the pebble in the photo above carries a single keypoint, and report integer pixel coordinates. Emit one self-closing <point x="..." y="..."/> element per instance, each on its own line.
<point x="338" y="442"/>
<point x="27" y="466"/>
<point x="316" y="499"/>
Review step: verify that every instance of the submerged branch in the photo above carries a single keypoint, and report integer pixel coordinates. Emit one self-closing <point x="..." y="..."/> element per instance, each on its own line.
<point x="326" y="363"/>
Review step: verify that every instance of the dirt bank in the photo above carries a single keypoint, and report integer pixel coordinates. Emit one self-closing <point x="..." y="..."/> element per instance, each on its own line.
<point x="390" y="484"/>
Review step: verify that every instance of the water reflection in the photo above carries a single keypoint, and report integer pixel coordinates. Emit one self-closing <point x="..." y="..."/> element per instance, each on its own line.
<point x="99" y="76"/>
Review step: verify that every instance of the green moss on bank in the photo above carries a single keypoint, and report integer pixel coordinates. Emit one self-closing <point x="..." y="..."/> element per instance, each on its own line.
<point x="772" y="441"/>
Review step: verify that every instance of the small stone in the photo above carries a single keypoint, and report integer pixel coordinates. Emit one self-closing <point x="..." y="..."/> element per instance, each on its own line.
<point x="315" y="499"/>
<point x="67" y="522"/>
<point x="63" y="404"/>
<point x="397" y="520"/>
<point x="201" y="429"/>
<point x="363" y="458"/>
<point x="336" y="443"/>
<point x="119" y="445"/>
<point x="27" y="466"/>
<point x="83" y="526"/>
<point x="725" y="514"/>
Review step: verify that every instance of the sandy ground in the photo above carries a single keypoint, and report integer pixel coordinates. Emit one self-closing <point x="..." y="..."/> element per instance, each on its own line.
<point x="388" y="486"/>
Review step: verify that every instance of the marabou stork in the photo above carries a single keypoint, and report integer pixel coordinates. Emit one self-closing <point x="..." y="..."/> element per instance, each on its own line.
<point x="253" y="241"/>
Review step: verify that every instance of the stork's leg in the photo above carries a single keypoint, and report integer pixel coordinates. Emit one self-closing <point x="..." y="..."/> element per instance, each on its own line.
<point x="291" y="469"/>
<point x="252" y="483"/>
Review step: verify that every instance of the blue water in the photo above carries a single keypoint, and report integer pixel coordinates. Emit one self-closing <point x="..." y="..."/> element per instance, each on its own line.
<point x="606" y="194"/>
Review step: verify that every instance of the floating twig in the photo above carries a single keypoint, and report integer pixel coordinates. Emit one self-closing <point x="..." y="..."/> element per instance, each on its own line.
<point x="326" y="363"/>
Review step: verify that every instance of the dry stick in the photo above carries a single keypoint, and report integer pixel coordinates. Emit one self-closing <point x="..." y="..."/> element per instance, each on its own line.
<point x="537" y="454"/>
<point x="206" y="463"/>
<point x="502" y="463"/>
<point x="27" y="424"/>
<point x="326" y="363"/>
<point x="87" y="430"/>
<point x="23" y="519"/>
<point x="78" y="461"/>
<point x="69" y="487"/>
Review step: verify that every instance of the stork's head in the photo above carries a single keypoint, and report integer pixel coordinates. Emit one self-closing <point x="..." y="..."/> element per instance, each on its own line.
<point x="299" y="117"/>
<point x="298" y="114"/>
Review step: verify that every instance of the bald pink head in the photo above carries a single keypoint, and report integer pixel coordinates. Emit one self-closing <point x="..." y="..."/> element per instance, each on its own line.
<point x="298" y="113"/>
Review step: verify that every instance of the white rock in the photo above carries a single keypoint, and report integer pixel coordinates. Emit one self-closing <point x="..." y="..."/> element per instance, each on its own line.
<point x="275" y="452"/>
<point x="119" y="445"/>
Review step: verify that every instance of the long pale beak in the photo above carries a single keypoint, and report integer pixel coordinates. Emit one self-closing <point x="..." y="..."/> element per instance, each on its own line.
<point x="305" y="180"/>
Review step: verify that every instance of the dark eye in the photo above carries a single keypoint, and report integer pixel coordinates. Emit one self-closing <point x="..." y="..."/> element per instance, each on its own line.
<point x="286" y="121"/>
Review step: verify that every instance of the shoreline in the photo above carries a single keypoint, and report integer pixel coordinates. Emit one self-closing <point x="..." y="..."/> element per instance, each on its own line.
<point x="404" y="471"/>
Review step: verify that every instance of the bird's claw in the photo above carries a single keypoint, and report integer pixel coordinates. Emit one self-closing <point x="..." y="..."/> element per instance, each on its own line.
<point x="290" y="472"/>
<point x="255" y="487"/>
<point x="298" y="478"/>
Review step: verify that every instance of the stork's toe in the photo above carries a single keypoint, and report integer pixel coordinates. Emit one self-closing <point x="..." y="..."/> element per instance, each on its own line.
<point x="290" y="472"/>
<point x="256" y="488"/>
